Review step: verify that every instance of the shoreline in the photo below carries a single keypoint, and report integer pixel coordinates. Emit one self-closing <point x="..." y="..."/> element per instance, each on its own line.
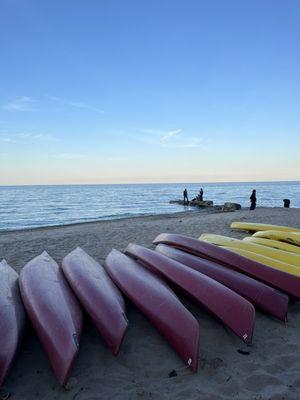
<point x="164" y="215"/>
<point x="127" y="218"/>
<point x="58" y="240"/>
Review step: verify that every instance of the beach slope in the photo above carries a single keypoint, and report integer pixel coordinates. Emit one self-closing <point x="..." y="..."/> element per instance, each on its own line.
<point x="271" y="370"/>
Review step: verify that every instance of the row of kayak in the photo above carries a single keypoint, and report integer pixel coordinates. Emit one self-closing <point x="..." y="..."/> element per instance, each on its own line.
<point x="259" y="227"/>
<point x="275" y="258"/>
<point x="278" y="247"/>
<point x="225" y="283"/>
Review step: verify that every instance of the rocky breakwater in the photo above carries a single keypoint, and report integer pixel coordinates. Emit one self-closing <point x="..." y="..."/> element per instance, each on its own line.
<point x="209" y="205"/>
<point x="194" y="203"/>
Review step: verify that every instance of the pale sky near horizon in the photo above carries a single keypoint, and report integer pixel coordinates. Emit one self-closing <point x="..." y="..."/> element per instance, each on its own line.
<point x="118" y="91"/>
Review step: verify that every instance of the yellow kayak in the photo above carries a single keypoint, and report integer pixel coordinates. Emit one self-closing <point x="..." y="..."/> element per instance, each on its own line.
<point x="270" y="262"/>
<point x="273" y="243"/>
<point x="255" y="227"/>
<point x="284" y="256"/>
<point x="290" y="237"/>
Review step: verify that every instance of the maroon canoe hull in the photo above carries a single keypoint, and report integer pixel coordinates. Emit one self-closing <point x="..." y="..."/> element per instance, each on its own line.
<point x="232" y="309"/>
<point x="54" y="312"/>
<point x="258" y="293"/>
<point x="99" y="296"/>
<point x="288" y="283"/>
<point x="160" y="305"/>
<point x="12" y="318"/>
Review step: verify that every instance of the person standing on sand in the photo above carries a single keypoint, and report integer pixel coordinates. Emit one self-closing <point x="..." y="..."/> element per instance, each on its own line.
<point x="185" y="196"/>
<point x="253" y="200"/>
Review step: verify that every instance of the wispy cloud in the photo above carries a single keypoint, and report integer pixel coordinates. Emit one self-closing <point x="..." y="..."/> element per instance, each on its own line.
<point x="26" y="136"/>
<point x="26" y="103"/>
<point x="76" y="104"/>
<point x="37" y="136"/>
<point x="22" y="103"/>
<point x="175" y="139"/>
<point x="169" y="135"/>
<point x="5" y="139"/>
<point x="68" y="156"/>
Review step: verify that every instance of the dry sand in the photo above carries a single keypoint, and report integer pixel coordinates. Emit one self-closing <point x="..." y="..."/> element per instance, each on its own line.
<point x="141" y="371"/>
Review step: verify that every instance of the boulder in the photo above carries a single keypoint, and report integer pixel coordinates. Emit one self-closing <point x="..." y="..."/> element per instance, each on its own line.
<point x="231" y="206"/>
<point x="202" y="204"/>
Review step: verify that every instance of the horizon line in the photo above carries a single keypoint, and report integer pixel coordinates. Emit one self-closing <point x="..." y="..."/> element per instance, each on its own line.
<point x="148" y="183"/>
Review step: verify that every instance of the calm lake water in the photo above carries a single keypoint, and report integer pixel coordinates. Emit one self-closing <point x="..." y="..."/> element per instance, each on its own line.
<point x="34" y="206"/>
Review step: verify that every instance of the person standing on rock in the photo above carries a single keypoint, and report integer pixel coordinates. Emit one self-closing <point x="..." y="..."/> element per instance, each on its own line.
<point x="253" y="200"/>
<point x="201" y="195"/>
<point x="185" y="196"/>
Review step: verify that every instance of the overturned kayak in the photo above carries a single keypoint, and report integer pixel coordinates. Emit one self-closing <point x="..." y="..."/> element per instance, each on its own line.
<point x="228" y="306"/>
<point x="255" y="227"/>
<point x="99" y="296"/>
<point x="289" y="237"/>
<point x="267" y="261"/>
<point x="158" y="302"/>
<point x="54" y="311"/>
<point x="275" y="244"/>
<point x="281" y="280"/>
<point x="12" y="318"/>
<point x="268" y="299"/>
<point x="280" y="255"/>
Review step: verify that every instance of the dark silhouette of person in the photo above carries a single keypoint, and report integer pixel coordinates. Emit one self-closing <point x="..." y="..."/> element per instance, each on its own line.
<point x="253" y="200"/>
<point x="201" y="195"/>
<point x="185" y="196"/>
<point x="286" y="203"/>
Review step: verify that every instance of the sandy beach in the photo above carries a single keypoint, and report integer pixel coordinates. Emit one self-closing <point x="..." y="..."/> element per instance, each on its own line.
<point x="271" y="370"/>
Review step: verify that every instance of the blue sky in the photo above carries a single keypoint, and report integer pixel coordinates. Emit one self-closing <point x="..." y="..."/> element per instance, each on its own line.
<point x="101" y="91"/>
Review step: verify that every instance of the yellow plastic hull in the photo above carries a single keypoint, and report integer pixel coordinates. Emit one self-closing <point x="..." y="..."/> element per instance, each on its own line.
<point x="255" y="227"/>
<point x="276" y="244"/>
<point x="270" y="262"/>
<point x="284" y="256"/>
<point x="289" y="237"/>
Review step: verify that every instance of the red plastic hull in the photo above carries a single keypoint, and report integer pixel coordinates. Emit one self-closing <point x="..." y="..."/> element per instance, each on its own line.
<point x="99" y="296"/>
<point x="157" y="301"/>
<point x="232" y="309"/>
<point x="54" y="311"/>
<point x="258" y="293"/>
<point x="289" y="284"/>
<point x="12" y="318"/>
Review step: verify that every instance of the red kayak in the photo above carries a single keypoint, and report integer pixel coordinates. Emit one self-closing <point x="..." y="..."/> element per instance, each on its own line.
<point x="99" y="296"/>
<point x="231" y="308"/>
<point x="54" y="311"/>
<point x="157" y="301"/>
<point x="12" y="318"/>
<point x="281" y="280"/>
<point x="258" y="293"/>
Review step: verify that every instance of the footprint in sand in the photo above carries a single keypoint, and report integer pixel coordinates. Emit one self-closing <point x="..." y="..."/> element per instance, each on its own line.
<point x="259" y="381"/>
